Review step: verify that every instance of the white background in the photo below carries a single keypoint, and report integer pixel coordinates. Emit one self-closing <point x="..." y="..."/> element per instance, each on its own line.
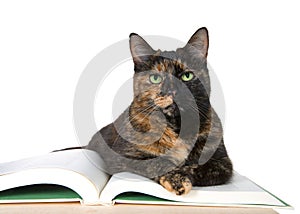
<point x="254" y="50"/>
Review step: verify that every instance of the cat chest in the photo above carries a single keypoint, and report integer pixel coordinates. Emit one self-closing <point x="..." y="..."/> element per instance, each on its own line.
<point x="169" y="145"/>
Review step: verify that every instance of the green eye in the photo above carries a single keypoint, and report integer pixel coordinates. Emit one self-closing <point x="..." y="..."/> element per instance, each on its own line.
<point x="155" y="78"/>
<point x="187" y="76"/>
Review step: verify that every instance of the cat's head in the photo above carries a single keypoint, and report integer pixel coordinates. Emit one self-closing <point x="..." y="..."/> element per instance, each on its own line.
<point x="161" y="76"/>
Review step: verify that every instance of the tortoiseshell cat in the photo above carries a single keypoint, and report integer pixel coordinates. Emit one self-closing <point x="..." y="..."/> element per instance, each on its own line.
<point x="169" y="133"/>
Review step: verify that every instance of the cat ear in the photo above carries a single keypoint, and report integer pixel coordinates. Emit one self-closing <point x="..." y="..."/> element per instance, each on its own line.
<point x="139" y="48"/>
<point x="198" y="43"/>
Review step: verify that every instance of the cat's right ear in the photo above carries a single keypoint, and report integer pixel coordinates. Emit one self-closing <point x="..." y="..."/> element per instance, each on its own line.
<point x="198" y="43"/>
<point x="140" y="49"/>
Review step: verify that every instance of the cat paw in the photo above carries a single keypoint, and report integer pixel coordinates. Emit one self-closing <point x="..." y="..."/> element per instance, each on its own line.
<point x="177" y="183"/>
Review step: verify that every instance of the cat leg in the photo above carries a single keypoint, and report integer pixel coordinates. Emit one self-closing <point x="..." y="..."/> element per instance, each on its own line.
<point x="181" y="180"/>
<point x="175" y="181"/>
<point x="213" y="172"/>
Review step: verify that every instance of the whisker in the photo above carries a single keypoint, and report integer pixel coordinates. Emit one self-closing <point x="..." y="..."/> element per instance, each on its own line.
<point x="199" y="110"/>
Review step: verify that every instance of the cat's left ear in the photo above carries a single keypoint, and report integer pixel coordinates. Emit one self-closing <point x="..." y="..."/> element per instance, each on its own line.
<point x="198" y="43"/>
<point x="140" y="49"/>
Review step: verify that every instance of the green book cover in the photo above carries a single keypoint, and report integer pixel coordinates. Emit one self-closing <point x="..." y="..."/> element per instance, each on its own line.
<point x="38" y="192"/>
<point x="134" y="196"/>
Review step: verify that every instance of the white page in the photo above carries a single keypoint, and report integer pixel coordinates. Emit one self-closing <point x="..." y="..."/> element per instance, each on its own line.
<point x="58" y="168"/>
<point x="240" y="191"/>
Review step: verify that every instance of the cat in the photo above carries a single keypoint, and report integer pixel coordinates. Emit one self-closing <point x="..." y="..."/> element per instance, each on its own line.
<point x="169" y="133"/>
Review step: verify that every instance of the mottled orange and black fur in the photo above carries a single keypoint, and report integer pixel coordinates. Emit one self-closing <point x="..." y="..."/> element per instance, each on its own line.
<point x="170" y="132"/>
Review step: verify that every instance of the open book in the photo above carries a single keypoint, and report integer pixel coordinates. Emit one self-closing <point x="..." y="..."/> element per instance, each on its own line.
<point x="78" y="175"/>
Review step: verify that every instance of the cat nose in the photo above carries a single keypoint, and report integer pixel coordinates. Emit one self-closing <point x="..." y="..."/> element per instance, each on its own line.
<point x="171" y="93"/>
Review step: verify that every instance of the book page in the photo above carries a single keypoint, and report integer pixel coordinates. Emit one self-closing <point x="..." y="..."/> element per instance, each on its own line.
<point x="237" y="183"/>
<point x="80" y="170"/>
<point x="240" y="191"/>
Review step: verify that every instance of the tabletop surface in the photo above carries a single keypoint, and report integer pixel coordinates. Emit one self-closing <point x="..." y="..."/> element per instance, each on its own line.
<point x="74" y="208"/>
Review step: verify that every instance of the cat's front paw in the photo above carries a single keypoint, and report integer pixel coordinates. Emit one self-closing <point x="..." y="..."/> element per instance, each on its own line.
<point x="176" y="182"/>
